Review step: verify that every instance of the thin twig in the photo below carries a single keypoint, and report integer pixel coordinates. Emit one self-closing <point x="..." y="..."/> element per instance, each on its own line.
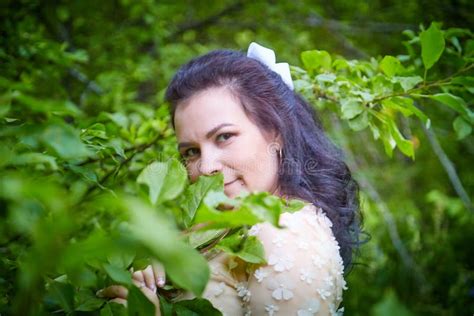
<point x="448" y="167"/>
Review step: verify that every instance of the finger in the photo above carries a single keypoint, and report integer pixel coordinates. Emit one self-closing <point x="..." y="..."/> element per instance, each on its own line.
<point x="113" y="291"/>
<point x="120" y="301"/>
<point x="160" y="275"/>
<point x="152" y="297"/>
<point x="139" y="278"/>
<point x="149" y="278"/>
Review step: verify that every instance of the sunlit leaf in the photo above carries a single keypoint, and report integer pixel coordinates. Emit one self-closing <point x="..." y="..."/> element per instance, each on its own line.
<point x="165" y="180"/>
<point x="432" y="45"/>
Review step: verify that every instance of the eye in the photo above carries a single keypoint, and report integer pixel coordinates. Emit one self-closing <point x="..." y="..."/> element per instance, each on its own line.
<point x="224" y="136"/>
<point x="189" y="153"/>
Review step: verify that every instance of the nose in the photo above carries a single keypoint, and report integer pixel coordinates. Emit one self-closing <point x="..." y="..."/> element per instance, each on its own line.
<point x="210" y="162"/>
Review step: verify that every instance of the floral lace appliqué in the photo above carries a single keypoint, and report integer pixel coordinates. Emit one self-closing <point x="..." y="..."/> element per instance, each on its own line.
<point x="281" y="288"/>
<point x="307" y="276"/>
<point x="280" y="262"/>
<point x="271" y="309"/>
<point x="310" y="308"/>
<point x="243" y="292"/>
<point x="260" y="274"/>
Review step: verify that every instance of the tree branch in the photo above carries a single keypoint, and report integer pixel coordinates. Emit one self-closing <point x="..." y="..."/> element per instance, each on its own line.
<point x="196" y="25"/>
<point x="448" y="167"/>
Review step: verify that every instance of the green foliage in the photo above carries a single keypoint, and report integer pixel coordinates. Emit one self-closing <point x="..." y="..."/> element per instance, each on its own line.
<point x="90" y="185"/>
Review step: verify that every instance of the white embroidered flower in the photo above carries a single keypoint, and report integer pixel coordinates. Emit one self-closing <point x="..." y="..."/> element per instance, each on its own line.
<point x="243" y="292"/>
<point x="271" y="309"/>
<point x="324" y="293"/>
<point x="307" y="276"/>
<point x="260" y="274"/>
<point x="318" y="261"/>
<point x="310" y="308"/>
<point x="280" y="262"/>
<point x="328" y="281"/>
<point x="303" y="245"/>
<point x="218" y="289"/>
<point x="254" y="230"/>
<point x="281" y="288"/>
<point x="344" y="285"/>
<point x="279" y="241"/>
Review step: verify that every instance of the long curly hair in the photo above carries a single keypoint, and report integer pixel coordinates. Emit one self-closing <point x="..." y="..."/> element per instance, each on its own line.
<point x="312" y="167"/>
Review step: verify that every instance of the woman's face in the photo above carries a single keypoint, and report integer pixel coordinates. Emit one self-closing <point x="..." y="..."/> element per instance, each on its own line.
<point x="215" y="135"/>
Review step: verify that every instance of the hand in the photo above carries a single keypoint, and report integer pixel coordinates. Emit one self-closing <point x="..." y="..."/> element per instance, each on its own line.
<point x="146" y="280"/>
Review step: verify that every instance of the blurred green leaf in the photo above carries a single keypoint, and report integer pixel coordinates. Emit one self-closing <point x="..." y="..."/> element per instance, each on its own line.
<point x="157" y="174"/>
<point x="118" y="274"/>
<point x="65" y="141"/>
<point x="138" y="303"/>
<point x="315" y="60"/>
<point x="462" y="127"/>
<point x="195" y="307"/>
<point x="454" y="102"/>
<point x="185" y="267"/>
<point x="391" y="66"/>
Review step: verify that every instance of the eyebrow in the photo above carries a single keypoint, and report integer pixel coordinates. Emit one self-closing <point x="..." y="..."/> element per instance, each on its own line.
<point x="208" y="134"/>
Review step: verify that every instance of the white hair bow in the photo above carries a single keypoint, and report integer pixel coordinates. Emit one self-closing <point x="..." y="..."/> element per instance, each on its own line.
<point x="267" y="56"/>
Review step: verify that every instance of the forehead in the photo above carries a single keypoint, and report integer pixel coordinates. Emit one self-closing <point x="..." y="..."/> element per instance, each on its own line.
<point x="207" y="109"/>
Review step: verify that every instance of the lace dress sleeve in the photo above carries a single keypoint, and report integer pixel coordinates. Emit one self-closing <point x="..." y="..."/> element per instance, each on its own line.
<point x="304" y="270"/>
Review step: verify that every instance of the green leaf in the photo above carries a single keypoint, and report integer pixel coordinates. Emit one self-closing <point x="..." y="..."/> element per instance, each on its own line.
<point x="325" y="77"/>
<point x="350" y="108"/>
<point x="432" y="45"/>
<point x="138" y="304"/>
<point x="87" y="301"/>
<point x="407" y="83"/>
<point x="65" y="141"/>
<point x="462" y="127"/>
<point x="467" y="82"/>
<point x="314" y="60"/>
<point x="63" y="293"/>
<point x="113" y="309"/>
<point x="184" y="265"/>
<point x="118" y="275"/>
<point x="195" y="193"/>
<point x="195" y="307"/>
<point x="407" y="108"/>
<point x="166" y="307"/>
<point x="454" y="102"/>
<point x="403" y="144"/>
<point x="391" y="66"/>
<point x="294" y="205"/>
<point x="165" y="180"/>
<point x="247" y="248"/>
<point x="360" y="122"/>
<point x="34" y="159"/>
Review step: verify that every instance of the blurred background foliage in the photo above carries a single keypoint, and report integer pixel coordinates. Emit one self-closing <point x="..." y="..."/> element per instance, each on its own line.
<point x="82" y="114"/>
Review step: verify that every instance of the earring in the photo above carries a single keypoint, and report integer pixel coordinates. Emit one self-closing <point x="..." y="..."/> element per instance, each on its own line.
<point x="280" y="155"/>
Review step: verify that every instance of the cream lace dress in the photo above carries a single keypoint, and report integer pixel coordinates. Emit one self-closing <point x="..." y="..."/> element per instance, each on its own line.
<point x="303" y="275"/>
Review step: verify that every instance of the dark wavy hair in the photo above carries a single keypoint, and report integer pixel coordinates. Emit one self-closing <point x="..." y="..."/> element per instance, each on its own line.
<point x="312" y="167"/>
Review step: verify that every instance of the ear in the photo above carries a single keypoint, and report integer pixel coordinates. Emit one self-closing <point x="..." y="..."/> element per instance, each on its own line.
<point x="279" y="140"/>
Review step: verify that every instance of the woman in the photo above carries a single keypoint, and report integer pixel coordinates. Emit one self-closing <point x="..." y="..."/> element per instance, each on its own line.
<point x="238" y="115"/>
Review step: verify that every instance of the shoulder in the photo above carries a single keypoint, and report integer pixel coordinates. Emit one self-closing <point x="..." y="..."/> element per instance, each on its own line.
<point x="304" y="270"/>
